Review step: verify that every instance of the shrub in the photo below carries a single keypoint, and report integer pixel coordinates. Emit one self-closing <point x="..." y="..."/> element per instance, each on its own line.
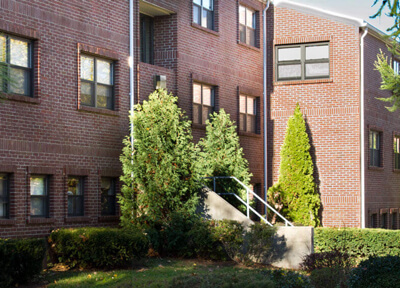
<point x="358" y="243"/>
<point x="323" y="260"/>
<point x="288" y="279"/>
<point x="376" y="272"/>
<point x="335" y="277"/>
<point x="98" y="247"/>
<point x="20" y="260"/>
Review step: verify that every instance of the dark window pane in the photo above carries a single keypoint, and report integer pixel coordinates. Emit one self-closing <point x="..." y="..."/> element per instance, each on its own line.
<point x="242" y="122"/>
<point x="4" y="194"/>
<point x="196" y="114"/>
<point x="75" y="196"/>
<point x="242" y="29"/>
<point x="251" y="123"/>
<point x="78" y="201"/>
<point x="206" y="113"/>
<point x="86" y="93"/>
<point x="104" y="96"/>
<point x="210" y="19"/>
<point x="146" y="39"/>
<point x="3" y="185"/>
<point x="20" y="81"/>
<point x="251" y="37"/>
<point x="38" y="206"/>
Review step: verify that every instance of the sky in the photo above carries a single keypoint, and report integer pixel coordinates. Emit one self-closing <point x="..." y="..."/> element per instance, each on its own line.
<point x="355" y="8"/>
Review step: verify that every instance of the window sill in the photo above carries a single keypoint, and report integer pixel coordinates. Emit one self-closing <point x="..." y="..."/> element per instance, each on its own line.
<point x="396" y="170"/>
<point x="35" y="220"/>
<point x="98" y="110"/>
<point x="249" y="134"/>
<point x="8" y="222"/>
<point x="249" y="46"/>
<point x="77" y="219"/>
<point x="108" y="218"/>
<point x="212" y="32"/>
<point x="199" y="126"/>
<point x="300" y="82"/>
<point x="375" y="168"/>
<point x="19" y="98"/>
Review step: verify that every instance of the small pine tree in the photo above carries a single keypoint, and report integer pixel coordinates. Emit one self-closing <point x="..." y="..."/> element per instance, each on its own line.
<point x="296" y="181"/>
<point x="222" y="155"/>
<point x="163" y="163"/>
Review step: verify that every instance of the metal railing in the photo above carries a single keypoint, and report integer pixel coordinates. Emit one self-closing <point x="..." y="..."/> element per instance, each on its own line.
<point x="247" y="203"/>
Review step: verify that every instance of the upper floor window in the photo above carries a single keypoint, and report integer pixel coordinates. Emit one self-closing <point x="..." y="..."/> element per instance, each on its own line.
<point x="4" y="196"/>
<point x="203" y="13"/>
<point x="374" y="148"/>
<point x="396" y="150"/>
<point x="248" y="113"/>
<point x="247" y="25"/>
<point x="97" y="82"/>
<point x="396" y="66"/>
<point x="39" y="196"/>
<point x="75" y="196"/>
<point x="108" y="199"/>
<point x="203" y="102"/>
<point x="302" y="62"/>
<point x="146" y="39"/>
<point x="15" y="65"/>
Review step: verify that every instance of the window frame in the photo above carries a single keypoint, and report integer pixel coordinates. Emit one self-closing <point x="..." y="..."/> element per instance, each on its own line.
<point x="246" y="28"/>
<point x="201" y="105"/>
<point x="302" y="61"/>
<point x="8" y="66"/>
<point x="247" y="115"/>
<point x="375" y="151"/>
<point x="6" y="199"/>
<point x="113" y="186"/>
<point x="45" y="197"/>
<point x="201" y="11"/>
<point x="142" y="36"/>
<point x="74" y="197"/>
<point x="396" y="154"/>
<point x="95" y="83"/>
<point x="396" y="65"/>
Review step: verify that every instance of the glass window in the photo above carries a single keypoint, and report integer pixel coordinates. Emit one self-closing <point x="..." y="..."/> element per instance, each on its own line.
<point x="248" y="113"/>
<point x="97" y="82"/>
<point x="146" y="39"/>
<point x="394" y="221"/>
<point x="396" y="150"/>
<point x="247" y="25"/>
<point x="396" y="66"/>
<point x="39" y="196"/>
<point x="302" y="62"/>
<point x="108" y="193"/>
<point x="75" y="196"/>
<point x="15" y="65"/>
<point x="4" y="196"/>
<point x="374" y="148"/>
<point x="203" y="102"/>
<point x="203" y="13"/>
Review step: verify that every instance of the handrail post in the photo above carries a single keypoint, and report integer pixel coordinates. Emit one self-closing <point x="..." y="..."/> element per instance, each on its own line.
<point x="248" y="209"/>
<point x="214" y="184"/>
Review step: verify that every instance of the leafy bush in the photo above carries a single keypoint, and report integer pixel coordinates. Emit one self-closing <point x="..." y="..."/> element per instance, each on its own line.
<point x="287" y="279"/>
<point x="20" y="260"/>
<point x="323" y="260"/>
<point x="376" y="272"/>
<point x="358" y="243"/>
<point x="97" y="247"/>
<point x="334" y="277"/>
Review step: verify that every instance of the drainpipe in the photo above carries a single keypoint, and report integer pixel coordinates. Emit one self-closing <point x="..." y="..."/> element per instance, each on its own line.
<point x="131" y="64"/>
<point x="265" y="99"/>
<point x="362" y="140"/>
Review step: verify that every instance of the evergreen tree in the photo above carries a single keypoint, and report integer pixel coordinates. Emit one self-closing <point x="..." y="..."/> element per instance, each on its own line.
<point x="296" y="181"/>
<point x="163" y="163"/>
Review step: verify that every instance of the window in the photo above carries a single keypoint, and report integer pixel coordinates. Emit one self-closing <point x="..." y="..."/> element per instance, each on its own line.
<point x="4" y="196"/>
<point x="39" y="196"/>
<point x="97" y="82"/>
<point x="374" y="148"/>
<point x="248" y="113"/>
<point x="396" y="66"/>
<point x="374" y="220"/>
<point x="146" y="39"/>
<point x="394" y="221"/>
<point x="384" y="220"/>
<point x="75" y="196"/>
<point x="247" y="25"/>
<point x="203" y="13"/>
<point x="108" y="202"/>
<point x="203" y="102"/>
<point x="302" y="62"/>
<point x="16" y="65"/>
<point x="396" y="150"/>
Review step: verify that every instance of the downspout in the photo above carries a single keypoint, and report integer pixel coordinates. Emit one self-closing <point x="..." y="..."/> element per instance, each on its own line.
<point x="265" y="100"/>
<point x="131" y="65"/>
<point x="362" y="128"/>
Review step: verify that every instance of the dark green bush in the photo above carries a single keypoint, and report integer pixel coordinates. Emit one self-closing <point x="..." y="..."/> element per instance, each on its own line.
<point x="359" y="243"/>
<point x="287" y="279"/>
<point x="20" y="260"/>
<point x="323" y="260"/>
<point x="376" y="272"/>
<point x="98" y="247"/>
<point x="335" y="277"/>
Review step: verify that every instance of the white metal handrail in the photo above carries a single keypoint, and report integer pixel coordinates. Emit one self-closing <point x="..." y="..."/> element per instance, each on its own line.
<point x="247" y="203"/>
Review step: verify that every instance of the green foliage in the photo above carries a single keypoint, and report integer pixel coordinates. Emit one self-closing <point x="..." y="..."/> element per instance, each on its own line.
<point x="222" y="156"/>
<point x="163" y="164"/>
<point x="20" y="260"/>
<point x="287" y="279"/>
<point x="334" y="277"/>
<point x="376" y="272"/>
<point x="358" y="243"/>
<point x="394" y="12"/>
<point x="330" y="259"/>
<point x="98" y="247"/>
<point x="298" y="195"/>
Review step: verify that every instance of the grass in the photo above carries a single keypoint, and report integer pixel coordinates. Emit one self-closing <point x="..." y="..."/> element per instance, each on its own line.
<point x="166" y="273"/>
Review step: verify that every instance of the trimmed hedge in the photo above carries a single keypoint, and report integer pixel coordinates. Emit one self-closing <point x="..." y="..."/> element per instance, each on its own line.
<point x="20" y="260"/>
<point x="98" y="247"/>
<point x="360" y="243"/>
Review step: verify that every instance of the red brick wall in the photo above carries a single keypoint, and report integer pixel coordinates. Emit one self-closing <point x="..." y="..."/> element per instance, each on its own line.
<point x="48" y="134"/>
<point x="331" y="110"/>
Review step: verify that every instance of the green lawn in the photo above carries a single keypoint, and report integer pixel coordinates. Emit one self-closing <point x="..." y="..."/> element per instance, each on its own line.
<point x="167" y="273"/>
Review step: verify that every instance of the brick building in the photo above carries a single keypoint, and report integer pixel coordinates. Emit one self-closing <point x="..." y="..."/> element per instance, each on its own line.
<point x="63" y="112"/>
